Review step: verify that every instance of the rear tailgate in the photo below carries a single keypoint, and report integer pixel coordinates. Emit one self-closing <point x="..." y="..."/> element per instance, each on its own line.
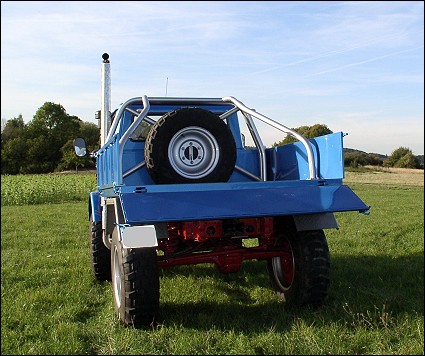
<point x="184" y="202"/>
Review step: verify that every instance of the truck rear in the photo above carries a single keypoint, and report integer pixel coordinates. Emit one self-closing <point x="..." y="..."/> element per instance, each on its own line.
<point x="177" y="185"/>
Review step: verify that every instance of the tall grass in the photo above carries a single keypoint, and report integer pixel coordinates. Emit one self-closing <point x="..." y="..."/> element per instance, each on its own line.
<point x="45" y="188"/>
<point x="50" y="303"/>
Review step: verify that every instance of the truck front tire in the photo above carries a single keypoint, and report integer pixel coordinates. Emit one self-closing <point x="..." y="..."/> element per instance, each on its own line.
<point x="302" y="276"/>
<point x="135" y="284"/>
<point x="190" y="145"/>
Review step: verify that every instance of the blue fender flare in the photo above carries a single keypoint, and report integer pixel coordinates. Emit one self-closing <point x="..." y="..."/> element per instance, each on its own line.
<point x="94" y="208"/>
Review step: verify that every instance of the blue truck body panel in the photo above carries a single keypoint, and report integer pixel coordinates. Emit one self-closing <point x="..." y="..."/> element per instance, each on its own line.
<point x="289" y="162"/>
<point x="152" y="204"/>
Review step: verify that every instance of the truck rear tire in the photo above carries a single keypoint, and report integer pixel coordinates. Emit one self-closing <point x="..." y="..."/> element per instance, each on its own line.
<point x="301" y="277"/>
<point x="135" y="284"/>
<point x="100" y="254"/>
<point x="190" y="145"/>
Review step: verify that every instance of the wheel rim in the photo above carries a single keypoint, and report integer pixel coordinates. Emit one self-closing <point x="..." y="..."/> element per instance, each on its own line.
<point x="193" y="152"/>
<point x="284" y="268"/>
<point x="116" y="278"/>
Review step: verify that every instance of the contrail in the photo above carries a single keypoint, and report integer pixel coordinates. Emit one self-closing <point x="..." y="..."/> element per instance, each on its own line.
<point x="366" y="61"/>
<point x="331" y="53"/>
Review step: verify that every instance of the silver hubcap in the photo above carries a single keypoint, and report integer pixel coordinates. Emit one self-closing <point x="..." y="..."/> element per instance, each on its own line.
<point x="284" y="272"/>
<point x="193" y="152"/>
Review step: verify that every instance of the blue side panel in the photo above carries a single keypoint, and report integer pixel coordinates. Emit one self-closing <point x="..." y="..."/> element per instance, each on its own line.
<point x="134" y="154"/>
<point x="108" y="164"/>
<point x="234" y="127"/>
<point x="289" y="162"/>
<point x="94" y="207"/>
<point x="248" y="160"/>
<point x="162" y="203"/>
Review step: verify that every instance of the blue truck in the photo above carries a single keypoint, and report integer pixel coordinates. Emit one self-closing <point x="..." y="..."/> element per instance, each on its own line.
<point x="177" y="185"/>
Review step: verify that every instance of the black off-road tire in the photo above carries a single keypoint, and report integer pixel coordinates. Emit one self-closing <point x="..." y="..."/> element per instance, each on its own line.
<point x="190" y="145"/>
<point x="135" y="284"/>
<point x="100" y="254"/>
<point x="303" y="276"/>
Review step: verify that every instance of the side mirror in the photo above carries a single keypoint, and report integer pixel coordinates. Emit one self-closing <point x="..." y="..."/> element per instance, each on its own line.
<point x="80" y="147"/>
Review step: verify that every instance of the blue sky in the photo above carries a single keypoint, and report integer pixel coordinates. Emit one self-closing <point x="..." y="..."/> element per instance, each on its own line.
<point x="357" y="67"/>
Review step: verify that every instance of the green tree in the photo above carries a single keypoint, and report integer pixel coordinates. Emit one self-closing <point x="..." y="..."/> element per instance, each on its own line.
<point x="358" y="158"/>
<point x="14" y="155"/>
<point x="307" y="131"/>
<point x="41" y="156"/>
<point x="71" y="161"/>
<point x="40" y="145"/>
<point x="355" y="159"/>
<point x="52" y="119"/>
<point x="402" y="157"/>
<point x="50" y="129"/>
<point x="318" y="130"/>
<point x="90" y="132"/>
<point x="374" y="160"/>
<point x="13" y="128"/>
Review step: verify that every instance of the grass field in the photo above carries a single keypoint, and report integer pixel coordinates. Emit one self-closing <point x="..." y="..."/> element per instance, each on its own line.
<point x="50" y="303"/>
<point x="387" y="176"/>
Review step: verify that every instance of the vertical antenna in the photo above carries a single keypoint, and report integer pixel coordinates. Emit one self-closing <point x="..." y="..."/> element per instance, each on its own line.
<point x="166" y="87"/>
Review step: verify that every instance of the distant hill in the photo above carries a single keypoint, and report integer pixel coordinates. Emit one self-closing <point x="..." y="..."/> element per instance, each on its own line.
<point x="379" y="155"/>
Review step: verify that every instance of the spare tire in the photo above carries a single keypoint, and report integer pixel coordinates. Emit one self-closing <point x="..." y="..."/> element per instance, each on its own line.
<point x="190" y="145"/>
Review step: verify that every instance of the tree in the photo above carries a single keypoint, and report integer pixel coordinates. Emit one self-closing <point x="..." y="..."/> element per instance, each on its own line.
<point x="41" y="156"/>
<point x="52" y="119"/>
<point x="355" y="159"/>
<point x="13" y="128"/>
<point x="14" y="155"/>
<point x="50" y="130"/>
<point x="91" y="134"/>
<point x="71" y="161"/>
<point x="45" y="144"/>
<point x="358" y="158"/>
<point x="402" y="157"/>
<point x="307" y="131"/>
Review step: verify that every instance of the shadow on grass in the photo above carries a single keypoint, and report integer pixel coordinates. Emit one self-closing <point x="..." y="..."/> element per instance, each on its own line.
<point x="370" y="291"/>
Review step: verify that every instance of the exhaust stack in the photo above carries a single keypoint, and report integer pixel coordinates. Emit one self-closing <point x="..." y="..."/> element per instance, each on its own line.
<point x="105" y="113"/>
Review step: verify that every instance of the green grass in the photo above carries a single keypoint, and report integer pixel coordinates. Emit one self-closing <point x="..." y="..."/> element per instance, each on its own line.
<point x="50" y="303"/>
<point x="45" y="188"/>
